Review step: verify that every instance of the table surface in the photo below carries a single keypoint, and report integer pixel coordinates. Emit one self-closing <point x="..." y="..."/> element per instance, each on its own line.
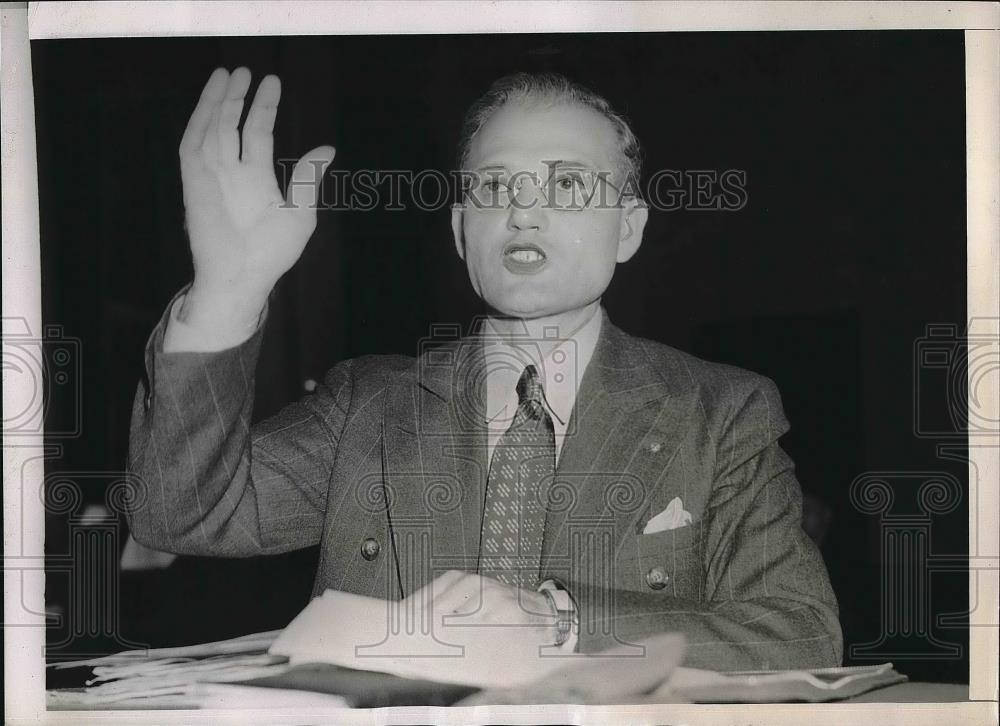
<point x="909" y="692"/>
<point x="915" y="692"/>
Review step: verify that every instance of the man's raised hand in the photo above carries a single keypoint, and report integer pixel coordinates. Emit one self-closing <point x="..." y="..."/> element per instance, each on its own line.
<point x="244" y="235"/>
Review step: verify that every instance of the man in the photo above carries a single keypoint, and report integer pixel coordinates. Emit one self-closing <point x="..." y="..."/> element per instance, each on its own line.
<point x="548" y="472"/>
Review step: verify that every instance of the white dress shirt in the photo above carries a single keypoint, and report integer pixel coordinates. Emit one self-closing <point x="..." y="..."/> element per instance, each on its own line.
<point x="561" y="371"/>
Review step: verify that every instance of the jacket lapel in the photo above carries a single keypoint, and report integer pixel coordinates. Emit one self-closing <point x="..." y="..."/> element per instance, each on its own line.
<point x="627" y="424"/>
<point x="435" y="462"/>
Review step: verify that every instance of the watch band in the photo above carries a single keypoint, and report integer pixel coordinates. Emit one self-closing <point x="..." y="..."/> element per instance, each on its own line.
<point x="565" y="612"/>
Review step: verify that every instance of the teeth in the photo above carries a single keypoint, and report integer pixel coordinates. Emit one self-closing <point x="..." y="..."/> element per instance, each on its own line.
<point x="526" y="256"/>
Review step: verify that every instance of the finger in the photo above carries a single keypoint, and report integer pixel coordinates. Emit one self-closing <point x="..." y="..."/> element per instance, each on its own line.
<point x="303" y="190"/>
<point x="490" y="594"/>
<point x="258" y="131"/>
<point x="465" y="595"/>
<point x="211" y="96"/>
<point x="229" y="116"/>
<point x="436" y="586"/>
<point x="210" y="146"/>
<point x="420" y="603"/>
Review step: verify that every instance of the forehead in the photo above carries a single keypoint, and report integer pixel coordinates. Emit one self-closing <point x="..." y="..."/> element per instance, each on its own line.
<point x="525" y="136"/>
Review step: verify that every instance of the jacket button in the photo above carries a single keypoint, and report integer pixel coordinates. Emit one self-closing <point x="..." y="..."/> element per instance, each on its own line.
<point x="657" y="578"/>
<point x="370" y="549"/>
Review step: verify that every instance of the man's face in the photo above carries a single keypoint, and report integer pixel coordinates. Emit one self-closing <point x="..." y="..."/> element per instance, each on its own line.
<point x="530" y="259"/>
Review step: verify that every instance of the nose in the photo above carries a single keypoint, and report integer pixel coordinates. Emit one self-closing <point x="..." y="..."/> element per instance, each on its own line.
<point x="527" y="209"/>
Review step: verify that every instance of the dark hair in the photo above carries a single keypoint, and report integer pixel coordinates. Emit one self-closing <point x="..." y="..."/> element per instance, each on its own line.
<point x="551" y="89"/>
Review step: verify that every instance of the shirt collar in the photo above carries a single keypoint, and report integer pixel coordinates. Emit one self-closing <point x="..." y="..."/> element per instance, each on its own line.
<point x="561" y="369"/>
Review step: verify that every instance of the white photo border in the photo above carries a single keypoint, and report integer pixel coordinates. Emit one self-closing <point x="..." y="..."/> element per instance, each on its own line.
<point x="24" y="606"/>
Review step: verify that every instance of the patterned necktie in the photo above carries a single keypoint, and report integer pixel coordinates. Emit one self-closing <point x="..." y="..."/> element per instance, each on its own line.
<point x="524" y="461"/>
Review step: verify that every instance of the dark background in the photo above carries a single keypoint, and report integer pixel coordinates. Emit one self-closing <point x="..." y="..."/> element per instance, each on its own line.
<point x="851" y="244"/>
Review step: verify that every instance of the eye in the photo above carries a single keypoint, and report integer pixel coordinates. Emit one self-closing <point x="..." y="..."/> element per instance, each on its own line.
<point x="568" y="181"/>
<point x="493" y="185"/>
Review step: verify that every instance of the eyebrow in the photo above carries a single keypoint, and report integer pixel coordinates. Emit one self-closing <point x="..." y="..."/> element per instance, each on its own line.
<point x="490" y="167"/>
<point x="556" y="163"/>
<point x="569" y="162"/>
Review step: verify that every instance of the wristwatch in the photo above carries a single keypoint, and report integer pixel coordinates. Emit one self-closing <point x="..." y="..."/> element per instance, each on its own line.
<point x="565" y="610"/>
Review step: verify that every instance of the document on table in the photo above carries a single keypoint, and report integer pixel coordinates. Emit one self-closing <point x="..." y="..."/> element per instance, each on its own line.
<point x="364" y="633"/>
<point x="395" y="637"/>
<point x="814" y="685"/>
<point x="243" y="645"/>
<point x="444" y="659"/>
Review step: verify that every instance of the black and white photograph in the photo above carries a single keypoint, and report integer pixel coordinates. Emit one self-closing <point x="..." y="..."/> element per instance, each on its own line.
<point x="529" y="366"/>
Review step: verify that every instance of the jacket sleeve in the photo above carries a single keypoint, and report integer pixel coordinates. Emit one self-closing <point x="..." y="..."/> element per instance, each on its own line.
<point x="767" y="603"/>
<point x="214" y="485"/>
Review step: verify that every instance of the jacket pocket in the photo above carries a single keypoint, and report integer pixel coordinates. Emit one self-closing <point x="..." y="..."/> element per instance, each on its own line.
<point x="667" y="563"/>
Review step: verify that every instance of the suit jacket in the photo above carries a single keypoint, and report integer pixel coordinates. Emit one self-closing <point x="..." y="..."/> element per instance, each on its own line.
<point x="384" y="465"/>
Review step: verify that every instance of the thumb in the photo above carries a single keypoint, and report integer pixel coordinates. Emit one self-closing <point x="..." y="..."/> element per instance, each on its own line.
<point x="303" y="189"/>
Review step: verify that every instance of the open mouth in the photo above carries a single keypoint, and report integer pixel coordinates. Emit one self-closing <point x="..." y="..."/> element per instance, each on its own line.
<point x="523" y="258"/>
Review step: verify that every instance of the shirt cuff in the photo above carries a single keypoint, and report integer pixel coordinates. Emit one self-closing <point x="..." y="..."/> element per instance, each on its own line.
<point x="564" y="604"/>
<point x="179" y="337"/>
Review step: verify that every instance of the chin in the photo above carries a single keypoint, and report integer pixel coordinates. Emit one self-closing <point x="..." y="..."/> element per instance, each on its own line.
<point x="528" y="301"/>
<point x="521" y="313"/>
<point x="525" y="312"/>
<point x="525" y="309"/>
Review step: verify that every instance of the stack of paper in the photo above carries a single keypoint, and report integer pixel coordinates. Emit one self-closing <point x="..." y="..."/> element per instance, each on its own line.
<point x="385" y="636"/>
<point x="324" y="653"/>
<point x="165" y="676"/>
<point x="196" y="695"/>
<point x="243" y="645"/>
<point x="815" y="686"/>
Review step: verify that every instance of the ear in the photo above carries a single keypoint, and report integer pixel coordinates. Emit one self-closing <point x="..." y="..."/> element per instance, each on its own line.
<point x="457" y="210"/>
<point x="634" y="216"/>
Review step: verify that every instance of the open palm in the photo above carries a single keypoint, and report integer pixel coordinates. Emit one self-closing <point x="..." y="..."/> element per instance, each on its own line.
<point x="244" y="235"/>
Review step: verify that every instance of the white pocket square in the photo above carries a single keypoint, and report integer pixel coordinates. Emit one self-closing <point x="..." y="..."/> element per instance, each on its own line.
<point x="672" y="517"/>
